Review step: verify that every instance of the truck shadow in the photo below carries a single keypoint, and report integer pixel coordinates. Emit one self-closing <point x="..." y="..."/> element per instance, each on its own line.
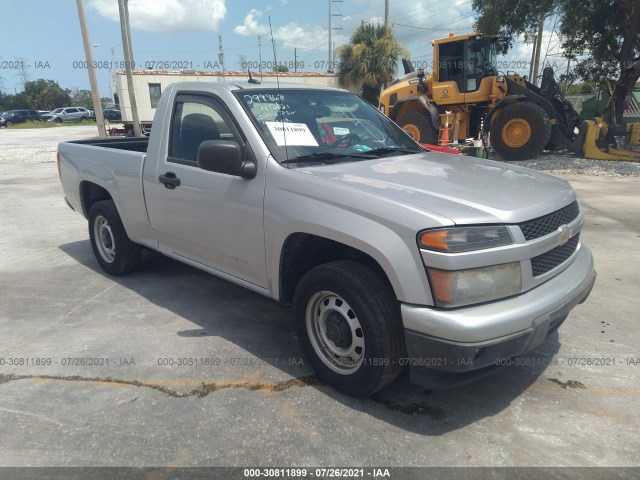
<point x="263" y="328"/>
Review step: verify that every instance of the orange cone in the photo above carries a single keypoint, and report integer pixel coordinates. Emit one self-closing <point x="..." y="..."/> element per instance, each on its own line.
<point x="444" y="138"/>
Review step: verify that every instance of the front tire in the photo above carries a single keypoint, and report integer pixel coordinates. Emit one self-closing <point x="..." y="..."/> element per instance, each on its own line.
<point x="113" y="249"/>
<point x="520" y="131"/>
<point x="418" y="124"/>
<point x="348" y="323"/>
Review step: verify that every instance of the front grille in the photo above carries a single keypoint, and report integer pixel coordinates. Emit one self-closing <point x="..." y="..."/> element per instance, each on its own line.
<point x="539" y="227"/>
<point x="551" y="259"/>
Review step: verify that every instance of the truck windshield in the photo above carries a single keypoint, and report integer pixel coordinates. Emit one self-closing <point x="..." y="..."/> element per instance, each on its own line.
<point x="315" y="126"/>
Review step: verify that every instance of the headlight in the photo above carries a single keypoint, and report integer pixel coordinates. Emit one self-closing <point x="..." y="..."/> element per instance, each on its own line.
<point x="464" y="239"/>
<point x="475" y="285"/>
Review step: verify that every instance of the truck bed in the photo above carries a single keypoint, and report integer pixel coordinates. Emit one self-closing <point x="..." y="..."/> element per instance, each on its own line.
<point x="131" y="144"/>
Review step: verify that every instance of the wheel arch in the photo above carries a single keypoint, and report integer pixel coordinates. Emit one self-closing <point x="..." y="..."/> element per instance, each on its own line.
<point x="90" y="193"/>
<point x="303" y="251"/>
<point x="417" y="102"/>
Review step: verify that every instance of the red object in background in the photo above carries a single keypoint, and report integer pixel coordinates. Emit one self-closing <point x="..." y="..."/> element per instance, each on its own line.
<point x="438" y="148"/>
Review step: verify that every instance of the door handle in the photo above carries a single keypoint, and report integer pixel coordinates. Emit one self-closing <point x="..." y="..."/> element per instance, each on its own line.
<point x="170" y="180"/>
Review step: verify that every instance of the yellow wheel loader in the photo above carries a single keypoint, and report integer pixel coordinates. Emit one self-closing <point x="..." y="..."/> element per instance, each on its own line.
<point x="522" y="118"/>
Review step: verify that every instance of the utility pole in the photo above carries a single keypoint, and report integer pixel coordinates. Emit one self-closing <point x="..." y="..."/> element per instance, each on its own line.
<point x="330" y="68"/>
<point x="95" y="96"/>
<point x="534" y="78"/>
<point x="128" y="63"/>
<point x="386" y="14"/>
<point x="533" y="60"/>
<point x="221" y="54"/>
<point x="295" y="59"/>
<point x="260" y="56"/>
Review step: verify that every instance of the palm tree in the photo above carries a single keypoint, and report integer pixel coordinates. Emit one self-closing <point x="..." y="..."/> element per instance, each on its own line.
<point x="368" y="61"/>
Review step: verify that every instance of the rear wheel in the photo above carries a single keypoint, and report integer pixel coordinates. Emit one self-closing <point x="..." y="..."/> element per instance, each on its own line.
<point x="418" y="124"/>
<point x="348" y="323"/>
<point x="113" y="249"/>
<point x="520" y="131"/>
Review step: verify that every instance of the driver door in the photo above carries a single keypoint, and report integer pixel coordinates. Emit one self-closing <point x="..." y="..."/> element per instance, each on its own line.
<point x="209" y="218"/>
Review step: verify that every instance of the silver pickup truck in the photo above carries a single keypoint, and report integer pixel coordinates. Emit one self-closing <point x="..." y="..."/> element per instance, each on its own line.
<point x="392" y="256"/>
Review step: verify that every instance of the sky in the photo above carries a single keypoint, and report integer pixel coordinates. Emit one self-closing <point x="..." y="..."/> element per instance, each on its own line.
<point x="42" y="39"/>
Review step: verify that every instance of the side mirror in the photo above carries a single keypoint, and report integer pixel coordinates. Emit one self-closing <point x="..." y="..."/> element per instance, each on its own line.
<point x="225" y="156"/>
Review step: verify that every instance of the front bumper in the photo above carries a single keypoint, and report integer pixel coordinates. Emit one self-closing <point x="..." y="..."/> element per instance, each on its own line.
<point x="471" y="342"/>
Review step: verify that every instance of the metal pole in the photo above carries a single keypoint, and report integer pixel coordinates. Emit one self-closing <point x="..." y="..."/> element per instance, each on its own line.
<point x="260" y="56"/>
<point x="221" y="55"/>
<point x="386" y="14"/>
<point x="95" y="96"/>
<point x="295" y="59"/>
<point x="534" y="80"/>
<point x="128" y="62"/>
<point x="329" y="66"/>
<point x="533" y="59"/>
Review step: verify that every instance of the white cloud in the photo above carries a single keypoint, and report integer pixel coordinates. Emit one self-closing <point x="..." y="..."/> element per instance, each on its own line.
<point x="308" y="36"/>
<point x="250" y="25"/>
<point x="291" y="35"/>
<point x="166" y="15"/>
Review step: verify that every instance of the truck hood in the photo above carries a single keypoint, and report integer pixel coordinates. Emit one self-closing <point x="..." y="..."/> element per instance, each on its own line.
<point x="466" y="190"/>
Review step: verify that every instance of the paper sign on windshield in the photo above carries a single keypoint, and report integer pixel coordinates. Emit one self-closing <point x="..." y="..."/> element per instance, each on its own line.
<point x="285" y="133"/>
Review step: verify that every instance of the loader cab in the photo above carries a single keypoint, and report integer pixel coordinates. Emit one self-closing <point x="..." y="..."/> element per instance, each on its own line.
<point x="460" y="64"/>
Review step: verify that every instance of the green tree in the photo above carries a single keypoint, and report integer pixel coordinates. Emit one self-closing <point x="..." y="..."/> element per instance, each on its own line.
<point x="46" y="94"/>
<point x="602" y="36"/>
<point x="608" y="30"/>
<point x="82" y="98"/>
<point x="13" y="102"/>
<point x="510" y="19"/>
<point x="369" y="60"/>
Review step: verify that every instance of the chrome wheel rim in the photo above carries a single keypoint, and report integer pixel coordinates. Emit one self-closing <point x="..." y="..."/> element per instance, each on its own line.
<point x="335" y="332"/>
<point x="104" y="239"/>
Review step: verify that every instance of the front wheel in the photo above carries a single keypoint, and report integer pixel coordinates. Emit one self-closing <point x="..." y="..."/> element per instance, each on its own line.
<point x="113" y="249"/>
<point x="520" y="131"/>
<point x="418" y="124"/>
<point x="348" y="323"/>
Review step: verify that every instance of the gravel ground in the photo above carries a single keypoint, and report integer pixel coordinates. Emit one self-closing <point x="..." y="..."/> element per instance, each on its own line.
<point x="566" y="163"/>
<point x="39" y="146"/>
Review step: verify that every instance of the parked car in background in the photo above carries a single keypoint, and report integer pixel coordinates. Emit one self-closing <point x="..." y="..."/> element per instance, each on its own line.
<point x="68" y="114"/>
<point x="11" y="117"/>
<point x="112" y="114"/>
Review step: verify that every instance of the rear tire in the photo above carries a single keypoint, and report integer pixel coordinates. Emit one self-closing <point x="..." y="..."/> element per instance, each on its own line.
<point x="418" y="124"/>
<point x="113" y="249"/>
<point x="520" y="131"/>
<point x="348" y="322"/>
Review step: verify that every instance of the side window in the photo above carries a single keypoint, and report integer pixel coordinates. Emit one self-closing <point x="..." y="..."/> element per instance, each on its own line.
<point x="154" y="94"/>
<point x="452" y="63"/>
<point x="193" y="123"/>
<point x="71" y="110"/>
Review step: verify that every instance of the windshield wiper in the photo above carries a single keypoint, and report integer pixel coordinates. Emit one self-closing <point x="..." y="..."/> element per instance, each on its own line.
<point x="327" y="157"/>
<point x="381" y="150"/>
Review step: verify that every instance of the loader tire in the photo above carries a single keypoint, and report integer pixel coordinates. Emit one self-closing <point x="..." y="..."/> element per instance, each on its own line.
<point x="520" y="131"/>
<point x="418" y="124"/>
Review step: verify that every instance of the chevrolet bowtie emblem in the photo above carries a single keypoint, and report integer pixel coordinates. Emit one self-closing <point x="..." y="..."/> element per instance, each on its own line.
<point x="565" y="234"/>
